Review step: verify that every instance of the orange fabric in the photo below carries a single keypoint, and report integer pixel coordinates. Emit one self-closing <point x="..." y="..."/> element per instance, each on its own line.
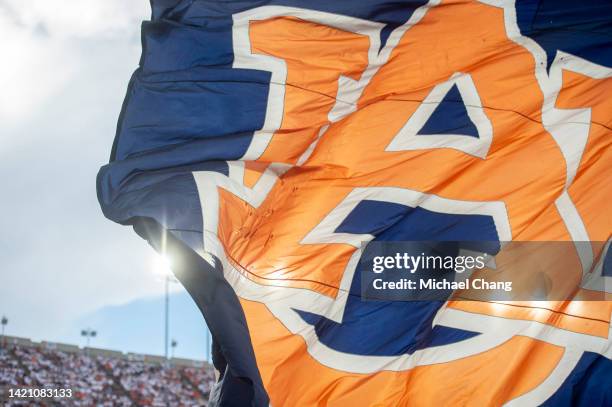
<point x="352" y="152"/>
<point x="590" y="191"/>
<point x="288" y="370"/>
<point x="312" y="76"/>
<point x="252" y="172"/>
<point x="588" y="317"/>
<point x="525" y="169"/>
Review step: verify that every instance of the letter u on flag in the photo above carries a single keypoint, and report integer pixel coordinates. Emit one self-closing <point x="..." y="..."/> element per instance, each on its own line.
<point x="263" y="145"/>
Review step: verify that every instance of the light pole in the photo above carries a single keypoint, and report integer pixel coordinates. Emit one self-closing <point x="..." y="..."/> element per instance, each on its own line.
<point x="162" y="269"/>
<point x="208" y="352"/>
<point x="88" y="334"/>
<point x="168" y="279"/>
<point x="174" y="343"/>
<point x="167" y="309"/>
<point x="4" y="322"/>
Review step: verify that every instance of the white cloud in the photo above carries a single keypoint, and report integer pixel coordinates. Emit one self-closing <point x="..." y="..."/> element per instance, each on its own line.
<point x="78" y="18"/>
<point x="33" y="68"/>
<point x="63" y="75"/>
<point x="41" y="43"/>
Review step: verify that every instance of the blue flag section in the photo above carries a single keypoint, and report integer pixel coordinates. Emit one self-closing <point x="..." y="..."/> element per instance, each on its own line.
<point x="263" y="144"/>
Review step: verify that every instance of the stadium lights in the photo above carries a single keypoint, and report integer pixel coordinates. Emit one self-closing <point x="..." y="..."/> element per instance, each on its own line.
<point x="88" y="334"/>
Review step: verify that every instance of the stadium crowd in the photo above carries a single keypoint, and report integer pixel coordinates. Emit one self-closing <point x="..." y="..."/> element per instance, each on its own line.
<point x="102" y="380"/>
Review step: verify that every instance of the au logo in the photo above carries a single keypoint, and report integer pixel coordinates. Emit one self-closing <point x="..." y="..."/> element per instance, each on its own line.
<point x="394" y="143"/>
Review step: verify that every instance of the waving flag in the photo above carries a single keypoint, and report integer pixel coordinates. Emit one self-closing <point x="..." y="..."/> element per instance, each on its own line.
<point x="267" y="142"/>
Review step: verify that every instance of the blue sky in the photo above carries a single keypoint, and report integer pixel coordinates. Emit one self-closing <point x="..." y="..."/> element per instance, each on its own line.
<point x="63" y="76"/>
<point x="138" y="327"/>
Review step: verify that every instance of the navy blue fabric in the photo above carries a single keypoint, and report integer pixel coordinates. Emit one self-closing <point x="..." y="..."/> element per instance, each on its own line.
<point x="170" y="46"/>
<point x="582" y="28"/>
<point x="395" y="222"/>
<point x="450" y="117"/>
<point x="160" y="8"/>
<point x="587" y="386"/>
<point x="193" y="105"/>
<point x="404" y="333"/>
<point x="391" y="13"/>
<point x="607" y="264"/>
<point x="375" y="327"/>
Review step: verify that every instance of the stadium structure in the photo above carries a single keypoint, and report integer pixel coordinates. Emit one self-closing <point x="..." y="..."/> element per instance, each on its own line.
<point x="100" y="377"/>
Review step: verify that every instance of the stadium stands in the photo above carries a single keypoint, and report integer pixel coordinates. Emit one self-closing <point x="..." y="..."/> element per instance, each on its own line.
<point x="103" y="378"/>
